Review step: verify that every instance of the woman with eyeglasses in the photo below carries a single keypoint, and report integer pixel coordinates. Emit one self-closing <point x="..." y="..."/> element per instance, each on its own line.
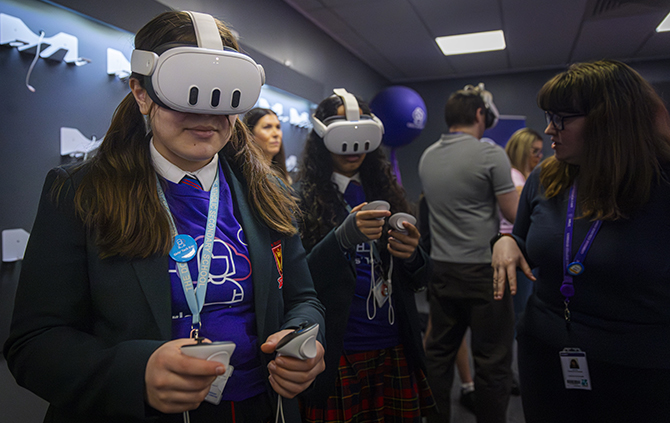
<point x="593" y="219"/>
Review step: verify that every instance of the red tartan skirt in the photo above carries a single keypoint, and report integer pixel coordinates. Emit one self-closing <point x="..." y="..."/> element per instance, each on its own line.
<point x="374" y="386"/>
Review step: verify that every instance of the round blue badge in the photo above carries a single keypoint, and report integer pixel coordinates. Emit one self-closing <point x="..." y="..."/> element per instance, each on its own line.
<point x="575" y="268"/>
<point x="184" y="248"/>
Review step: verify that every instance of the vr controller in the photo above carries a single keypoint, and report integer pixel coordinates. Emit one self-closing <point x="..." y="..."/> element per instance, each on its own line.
<point x="300" y="344"/>
<point x="215" y="351"/>
<point x="395" y="221"/>
<point x="377" y="205"/>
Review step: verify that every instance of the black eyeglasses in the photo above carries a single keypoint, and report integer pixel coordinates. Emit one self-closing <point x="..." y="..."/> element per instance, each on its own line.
<point x="557" y="120"/>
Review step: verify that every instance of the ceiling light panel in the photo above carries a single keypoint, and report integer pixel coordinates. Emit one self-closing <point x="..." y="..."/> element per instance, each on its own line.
<point x="471" y="43"/>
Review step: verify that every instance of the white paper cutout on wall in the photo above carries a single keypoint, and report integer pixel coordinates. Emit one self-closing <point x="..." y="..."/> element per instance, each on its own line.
<point x="117" y="64"/>
<point x="61" y="46"/>
<point x="292" y="163"/>
<point x="14" y="244"/>
<point x="301" y="120"/>
<point x="74" y="144"/>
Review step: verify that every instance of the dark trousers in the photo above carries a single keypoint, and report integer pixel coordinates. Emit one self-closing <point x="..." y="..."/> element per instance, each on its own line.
<point x="461" y="296"/>
<point x="620" y="394"/>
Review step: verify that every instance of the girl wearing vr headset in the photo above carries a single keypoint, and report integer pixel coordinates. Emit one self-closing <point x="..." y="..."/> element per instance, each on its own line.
<point x="107" y="295"/>
<point x="374" y="362"/>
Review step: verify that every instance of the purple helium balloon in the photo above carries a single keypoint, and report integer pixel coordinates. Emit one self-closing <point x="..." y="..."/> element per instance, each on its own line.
<point x="403" y="113"/>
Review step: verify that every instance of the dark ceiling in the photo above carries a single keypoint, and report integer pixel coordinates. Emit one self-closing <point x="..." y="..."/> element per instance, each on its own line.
<point x="396" y="37"/>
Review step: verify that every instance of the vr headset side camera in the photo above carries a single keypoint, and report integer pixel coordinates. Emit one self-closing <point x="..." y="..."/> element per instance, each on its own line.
<point x="352" y="133"/>
<point x="207" y="79"/>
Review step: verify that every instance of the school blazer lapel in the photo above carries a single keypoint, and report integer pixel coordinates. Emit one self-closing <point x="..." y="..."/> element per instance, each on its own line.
<point x="155" y="282"/>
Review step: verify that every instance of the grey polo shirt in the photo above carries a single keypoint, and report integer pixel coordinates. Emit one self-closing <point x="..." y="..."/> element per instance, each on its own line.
<point x="461" y="178"/>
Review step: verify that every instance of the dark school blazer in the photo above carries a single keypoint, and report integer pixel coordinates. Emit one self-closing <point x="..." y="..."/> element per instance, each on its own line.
<point x="83" y="328"/>
<point x="334" y="275"/>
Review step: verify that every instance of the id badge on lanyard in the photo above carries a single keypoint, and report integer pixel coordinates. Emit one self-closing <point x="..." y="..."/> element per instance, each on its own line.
<point x="573" y="360"/>
<point x="575" y="369"/>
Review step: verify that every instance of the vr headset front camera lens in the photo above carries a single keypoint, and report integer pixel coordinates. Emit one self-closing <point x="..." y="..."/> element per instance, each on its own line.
<point x="193" y="96"/>
<point x="216" y="97"/>
<point x="236" y="99"/>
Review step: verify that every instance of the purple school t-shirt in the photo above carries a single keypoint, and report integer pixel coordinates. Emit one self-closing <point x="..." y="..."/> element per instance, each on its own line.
<point x="228" y="312"/>
<point x="364" y="334"/>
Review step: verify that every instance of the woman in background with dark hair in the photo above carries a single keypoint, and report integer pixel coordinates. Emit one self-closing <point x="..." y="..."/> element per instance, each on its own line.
<point x="266" y="129"/>
<point x="593" y="219"/>
<point x="375" y="367"/>
<point x="106" y="294"/>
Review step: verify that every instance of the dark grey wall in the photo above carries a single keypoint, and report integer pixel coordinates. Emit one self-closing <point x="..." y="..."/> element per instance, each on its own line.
<point x="66" y="95"/>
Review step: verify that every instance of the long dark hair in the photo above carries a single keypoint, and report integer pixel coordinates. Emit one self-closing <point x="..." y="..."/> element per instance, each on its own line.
<point x="625" y="137"/>
<point x="118" y="197"/>
<point x="320" y="200"/>
<point x="251" y="118"/>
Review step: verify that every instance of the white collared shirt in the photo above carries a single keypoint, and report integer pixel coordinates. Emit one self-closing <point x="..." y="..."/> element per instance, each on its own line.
<point x="343" y="181"/>
<point x="173" y="173"/>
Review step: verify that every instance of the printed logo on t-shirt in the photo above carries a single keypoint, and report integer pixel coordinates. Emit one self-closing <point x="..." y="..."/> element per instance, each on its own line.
<point x="228" y="272"/>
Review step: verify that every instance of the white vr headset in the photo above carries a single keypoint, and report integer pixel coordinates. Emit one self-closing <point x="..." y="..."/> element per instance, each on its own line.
<point x="206" y="79"/>
<point x="350" y="134"/>
<point x="491" y="113"/>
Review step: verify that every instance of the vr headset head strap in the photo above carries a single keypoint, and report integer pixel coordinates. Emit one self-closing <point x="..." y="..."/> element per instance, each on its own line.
<point x="351" y="110"/>
<point x="206" y="32"/>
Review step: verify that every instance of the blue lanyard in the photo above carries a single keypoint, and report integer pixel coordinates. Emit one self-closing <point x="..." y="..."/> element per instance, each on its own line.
<point x="196" y="297"/>
<point x="574" y="267"/>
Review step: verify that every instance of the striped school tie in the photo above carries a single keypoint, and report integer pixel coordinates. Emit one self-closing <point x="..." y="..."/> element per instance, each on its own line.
<point x="191" y="181"/>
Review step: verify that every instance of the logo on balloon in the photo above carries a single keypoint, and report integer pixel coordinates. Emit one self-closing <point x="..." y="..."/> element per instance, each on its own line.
<point x="418" y="119"/>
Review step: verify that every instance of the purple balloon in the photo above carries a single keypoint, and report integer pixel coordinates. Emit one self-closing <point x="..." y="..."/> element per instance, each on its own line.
<point x="403" y="113"/>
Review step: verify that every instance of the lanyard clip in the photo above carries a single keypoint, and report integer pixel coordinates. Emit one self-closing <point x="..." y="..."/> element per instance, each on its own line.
<point x="566" y="313"/>
<point x="195" y="333"/>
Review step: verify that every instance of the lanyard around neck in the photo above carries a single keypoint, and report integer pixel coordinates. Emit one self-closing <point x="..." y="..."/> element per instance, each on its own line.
<point x="196" y="297"/>
<point x="574" y="267"/>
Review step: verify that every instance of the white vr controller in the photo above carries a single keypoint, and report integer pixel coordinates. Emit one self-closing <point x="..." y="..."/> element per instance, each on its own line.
<point x="215" y="351"/>
<point x="300" y="344"/>
<point x="396" y="220"/>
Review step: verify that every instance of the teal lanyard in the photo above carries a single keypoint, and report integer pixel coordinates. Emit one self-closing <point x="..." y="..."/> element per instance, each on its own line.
<point x="196" y="297"/>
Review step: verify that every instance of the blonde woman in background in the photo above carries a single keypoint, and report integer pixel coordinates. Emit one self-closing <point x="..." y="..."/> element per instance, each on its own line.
<point x="524" y="150"/>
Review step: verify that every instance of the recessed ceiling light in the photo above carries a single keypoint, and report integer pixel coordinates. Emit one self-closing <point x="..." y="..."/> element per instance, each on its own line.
<point x="471" y="43"/>
<point x="665" y="25"/>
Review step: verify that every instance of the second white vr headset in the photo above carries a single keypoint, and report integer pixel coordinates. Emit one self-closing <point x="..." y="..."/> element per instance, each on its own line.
<point x="206" y="79"/>
<point x="491" y="113"/>
<point x="350" y="134"/>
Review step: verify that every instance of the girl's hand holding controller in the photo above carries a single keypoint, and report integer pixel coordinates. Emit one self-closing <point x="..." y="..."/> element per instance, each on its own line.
<point x="176" y="382"/>
<point x="290" y="376"/>
<point x="403" y="235"/>
<point x="370" y="218"/>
